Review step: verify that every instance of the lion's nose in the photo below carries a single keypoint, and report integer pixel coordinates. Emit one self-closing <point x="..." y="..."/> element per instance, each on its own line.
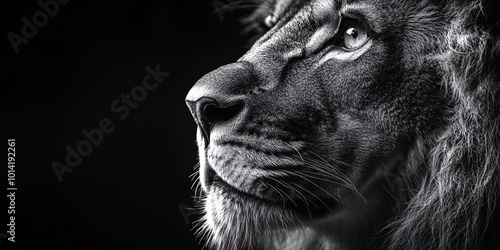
<point x="220" y="95"/>
<point x="207" y="111"/>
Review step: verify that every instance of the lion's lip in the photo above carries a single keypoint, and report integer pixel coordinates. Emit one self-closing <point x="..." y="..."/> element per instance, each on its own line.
<point x="270" y="197"/>
<point x="212" y="179"/>
<point x="302" y="210"/>
<point x="219" y="183"/>
<point x="261" y="183"/>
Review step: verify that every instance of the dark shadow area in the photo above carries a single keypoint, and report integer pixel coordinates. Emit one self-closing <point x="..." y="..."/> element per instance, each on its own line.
<point x="103" y="158"/>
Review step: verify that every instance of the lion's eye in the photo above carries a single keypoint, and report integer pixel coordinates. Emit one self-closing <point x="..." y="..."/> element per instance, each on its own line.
<point x="353" y="37"/>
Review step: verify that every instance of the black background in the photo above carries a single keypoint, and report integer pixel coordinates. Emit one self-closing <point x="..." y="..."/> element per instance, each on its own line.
<point x="126" y="194"/>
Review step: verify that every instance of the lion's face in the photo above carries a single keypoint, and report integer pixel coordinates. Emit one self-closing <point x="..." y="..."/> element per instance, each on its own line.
<point x="309" y="130"/>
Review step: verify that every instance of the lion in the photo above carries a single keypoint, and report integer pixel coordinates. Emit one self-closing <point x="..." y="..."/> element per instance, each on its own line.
<point x="363" y="124"/>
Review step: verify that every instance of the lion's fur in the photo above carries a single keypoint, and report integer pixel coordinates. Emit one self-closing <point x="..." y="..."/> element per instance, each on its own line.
<point x="453" y="206"/>
<point x="448" y="193"/>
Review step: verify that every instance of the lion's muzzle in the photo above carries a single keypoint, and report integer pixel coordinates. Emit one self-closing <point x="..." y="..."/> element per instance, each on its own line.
<point x="217" y="102"/>
<point x="219" y="96"/>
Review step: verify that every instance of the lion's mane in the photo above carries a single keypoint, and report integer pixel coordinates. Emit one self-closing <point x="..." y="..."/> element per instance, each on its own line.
<point x="454" y="206"/>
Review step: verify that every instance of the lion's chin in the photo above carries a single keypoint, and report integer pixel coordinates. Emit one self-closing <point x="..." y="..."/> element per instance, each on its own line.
<point x="237" y="221"/>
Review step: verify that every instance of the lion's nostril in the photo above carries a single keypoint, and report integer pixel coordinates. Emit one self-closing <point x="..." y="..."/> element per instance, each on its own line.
<point x="207" y="111"/>
<point x="215" y="113"/>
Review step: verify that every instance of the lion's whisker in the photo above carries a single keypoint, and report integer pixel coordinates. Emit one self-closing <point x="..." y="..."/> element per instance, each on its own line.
<point x="301" y="196"/>
<point x="328" y="167"/>
<point x="296" y="150"/>
<point x="314" y="175"/>
<point x="277" y="190"/>
<point x="328" y="193"/>
<point x="313" y="195"/>
<point x="283" y="184"/>
<point x="335" y="175"/>
<point x="329" y="172"/>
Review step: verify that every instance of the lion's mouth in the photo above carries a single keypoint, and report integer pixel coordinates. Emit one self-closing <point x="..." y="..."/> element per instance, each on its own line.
<point x="215" y="182"/>
<point x="264" y="195"/>
<point x="220" y="184"/>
